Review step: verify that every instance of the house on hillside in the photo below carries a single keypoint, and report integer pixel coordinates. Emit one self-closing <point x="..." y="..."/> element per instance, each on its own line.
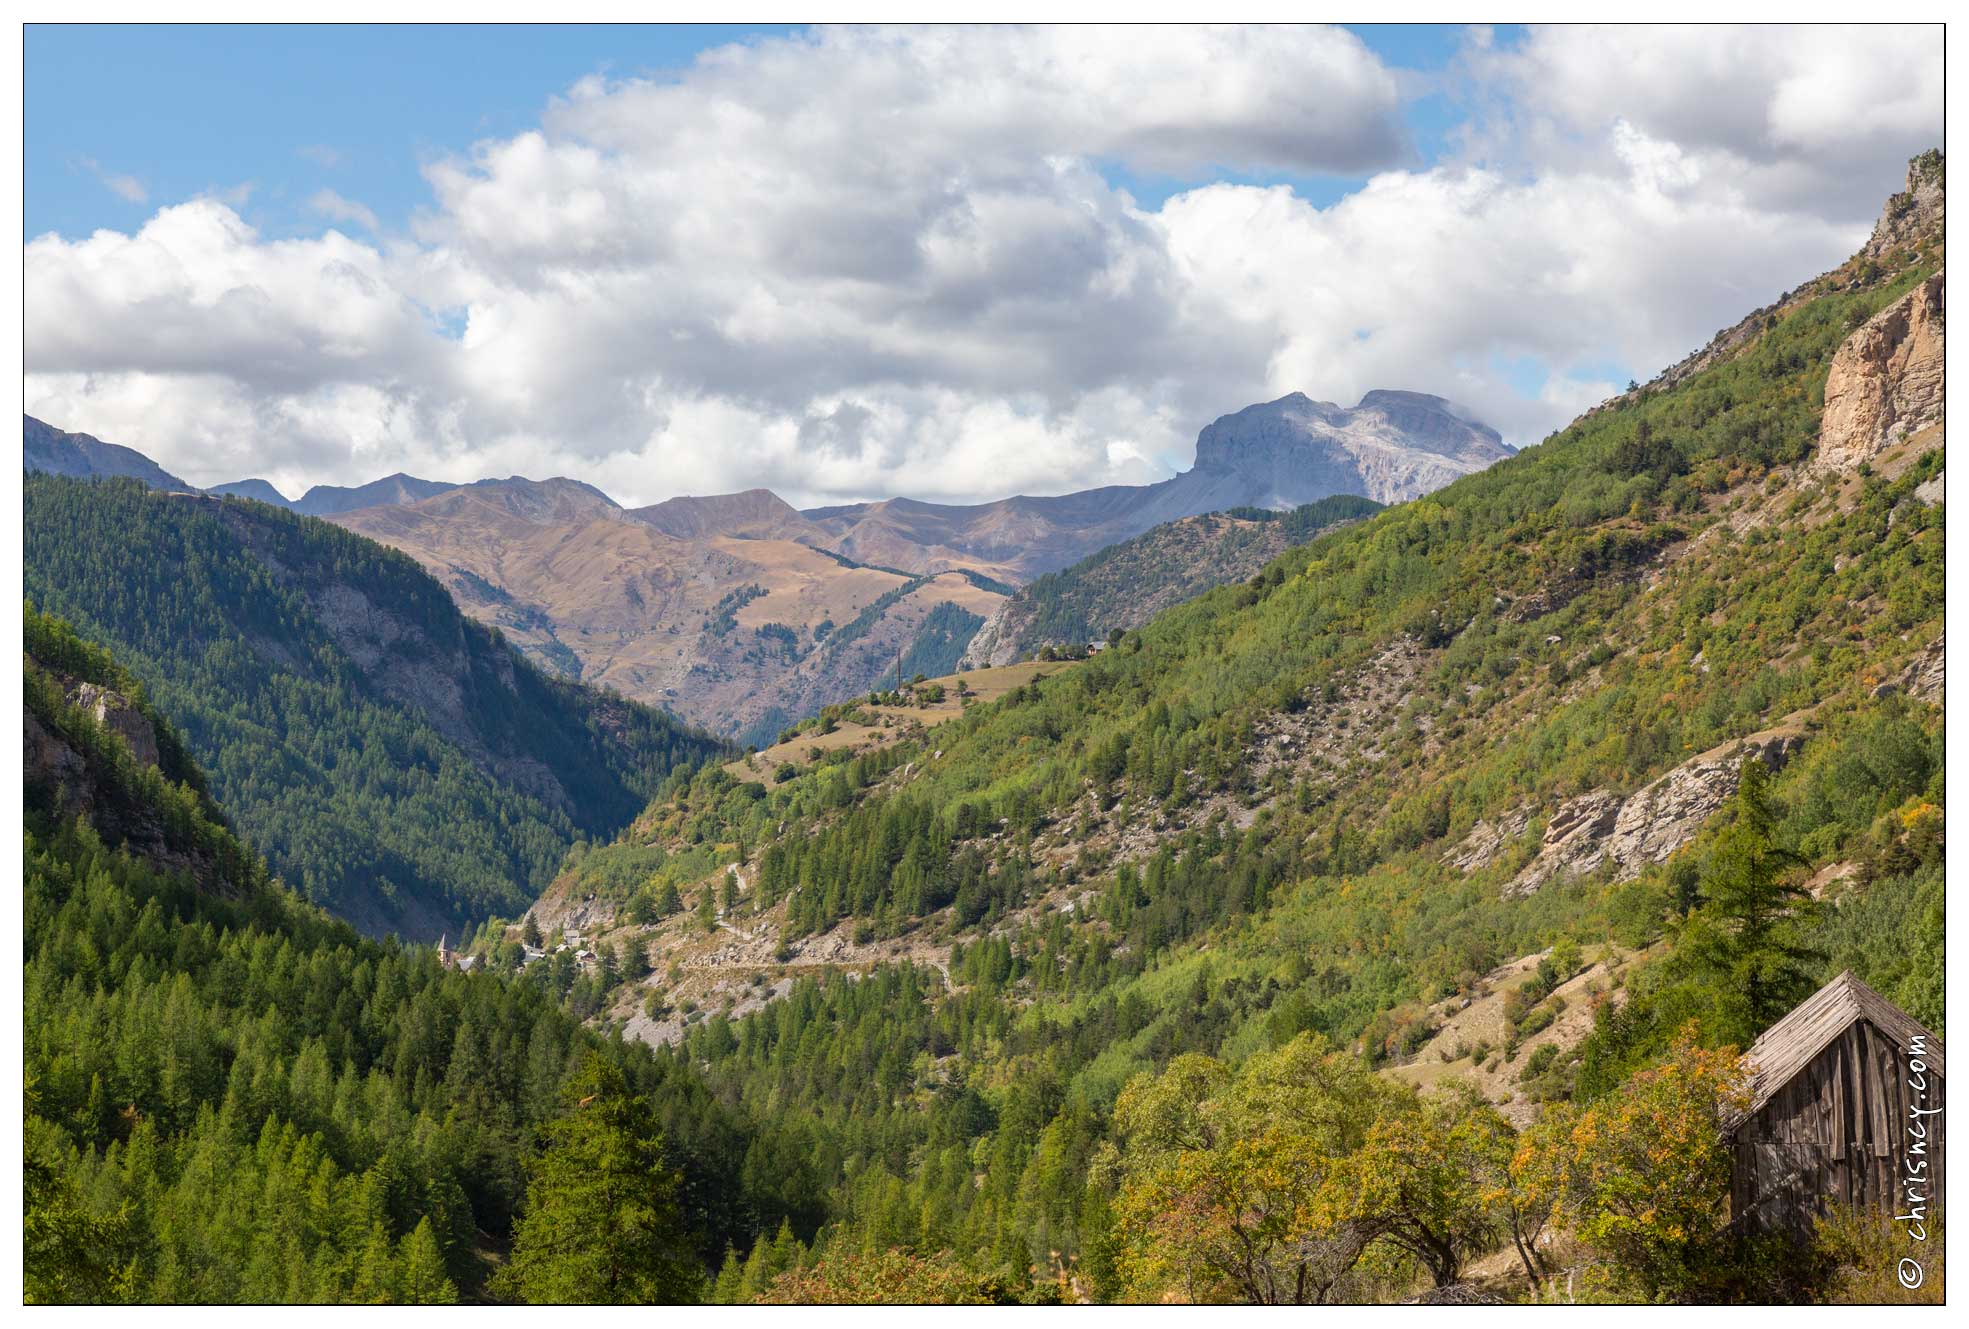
<point x="1846" y="1107"/>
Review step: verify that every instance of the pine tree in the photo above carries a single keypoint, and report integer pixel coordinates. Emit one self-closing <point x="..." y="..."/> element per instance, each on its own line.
<point x="68" y="1254"/>
<point x="753" y="1278"/>
<point x="421" y="1277"/>
<point x="730" y="1276"/>
<point x="376" y="1272"/>
<point x="1748" y="935"/>
<point x="634" y="959"/>
<point x="601" y="1223"/>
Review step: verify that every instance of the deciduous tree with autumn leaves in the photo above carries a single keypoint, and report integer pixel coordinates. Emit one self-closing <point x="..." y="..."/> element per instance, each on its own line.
<point x="1301" y="1177"/>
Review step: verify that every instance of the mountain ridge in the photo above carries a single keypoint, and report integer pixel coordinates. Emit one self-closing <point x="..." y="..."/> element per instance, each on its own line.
<point x="395" y="760"/>
<point x="1392" y="446"/>
<point x="659" y="601"/>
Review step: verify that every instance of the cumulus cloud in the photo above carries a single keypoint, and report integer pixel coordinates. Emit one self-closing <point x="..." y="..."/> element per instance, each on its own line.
<point x="864" y="262"/>
<point x="1436" y="279"/>
<point x="1814" y="116"/>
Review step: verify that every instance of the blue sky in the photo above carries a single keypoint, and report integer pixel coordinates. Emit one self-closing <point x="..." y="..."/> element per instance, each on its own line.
<point x="183" y="110"/>
<point x="952" y="263"/>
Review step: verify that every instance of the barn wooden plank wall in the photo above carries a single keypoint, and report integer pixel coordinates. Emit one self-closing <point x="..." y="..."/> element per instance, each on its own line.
<point x="1835" y="1130"/>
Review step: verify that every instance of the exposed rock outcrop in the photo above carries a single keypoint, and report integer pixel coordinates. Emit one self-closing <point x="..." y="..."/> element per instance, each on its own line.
<point x="1910" y="216"/>
<point x="52" y="765"/>
<point x="1885" y="381"/>
<point x="1649" y="825"/>
<point x="1666" y="815"/>
<point x="1487" y="840"/>
<point x="62" y="780"/>
<point x="1574" y="843"/>
<point x="1922" y="679"/>
<point x="996" y="643"/>
<point x="118" y="714"/>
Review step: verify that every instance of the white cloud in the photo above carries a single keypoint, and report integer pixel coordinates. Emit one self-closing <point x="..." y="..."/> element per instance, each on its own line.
<point x="336" y="208"/>
<point x="1819" y="116"/>
<point x="868" y="262"/>
<point x="126" y="187"/>
<point x="1434" y="280"/>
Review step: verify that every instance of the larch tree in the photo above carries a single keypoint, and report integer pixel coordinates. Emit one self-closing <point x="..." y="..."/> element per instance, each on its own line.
<point x="601" y="1223"/>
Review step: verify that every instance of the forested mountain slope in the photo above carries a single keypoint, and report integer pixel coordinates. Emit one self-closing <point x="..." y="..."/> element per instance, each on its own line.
<point x="1150" y="916"/>
<point x="1127" y="584"/>
<point x="232" y="1097"/>
<point x="394" y="760"/>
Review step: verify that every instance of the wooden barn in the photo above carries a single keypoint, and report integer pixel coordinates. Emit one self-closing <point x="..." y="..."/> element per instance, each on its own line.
<point x="1845" y="1107"/>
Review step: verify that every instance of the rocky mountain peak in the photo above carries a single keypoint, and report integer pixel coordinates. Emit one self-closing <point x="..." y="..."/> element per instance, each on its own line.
<point x="1391" y="447"/>
<point x="1913" y="213"/>
<point x="555" y="499"/>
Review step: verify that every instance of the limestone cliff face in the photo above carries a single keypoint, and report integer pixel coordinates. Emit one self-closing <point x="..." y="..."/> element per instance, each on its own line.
<point x="1392" y="447"/>
<point x="997" y="641"/>
<point x="1885" y="381"/>
<point x="54" y="765"/>
<point x="1644" y="828"/>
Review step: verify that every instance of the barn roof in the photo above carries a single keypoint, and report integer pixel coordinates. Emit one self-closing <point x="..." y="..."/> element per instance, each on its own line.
<point x="1789" y="1046"/>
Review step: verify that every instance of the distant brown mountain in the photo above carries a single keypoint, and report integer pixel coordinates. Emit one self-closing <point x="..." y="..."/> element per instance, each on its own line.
<point x="741" y="632"/>
<point x="1392" y="447"/>
<point x="755" y="514"/>
<point x="742" y="613"/>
